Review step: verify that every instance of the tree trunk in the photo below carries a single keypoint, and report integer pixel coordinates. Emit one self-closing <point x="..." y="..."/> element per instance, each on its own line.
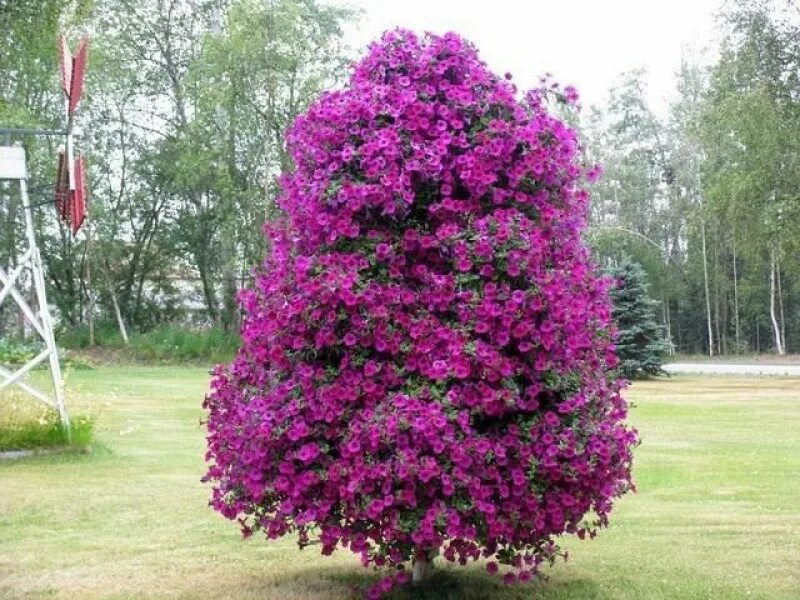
<point x="665" y="313"/>
<point x="736" y="299"/>
<point x="118" y="314"/>
<point x="230" y="316"/>
<point x="758" y="336"/>
<point x="209" y="294"/>
<point x="423" y="569"/>
<point x="720" y="342"/>
<point x="115" y="303"/>
<point x="775" y="328"/>
<point x="780" y="305"/>
<point x="230" y="313"/>
<point x="90" y="292"/>
<point x="708" y="298"/>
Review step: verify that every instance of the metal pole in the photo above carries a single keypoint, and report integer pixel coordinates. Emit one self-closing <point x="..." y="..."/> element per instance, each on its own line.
<point x="9" y="131"/>
<point x="69" y="149"/>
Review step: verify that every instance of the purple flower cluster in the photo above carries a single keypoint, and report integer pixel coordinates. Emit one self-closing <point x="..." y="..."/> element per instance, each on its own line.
<point x="427" y="351"/>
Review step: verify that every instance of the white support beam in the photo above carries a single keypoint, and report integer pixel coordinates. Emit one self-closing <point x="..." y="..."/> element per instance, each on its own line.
<point x="22" y="303"/>
<point x="30" y="389"/>
<point x="9" y="282"/>
<point x="20" y="373"/>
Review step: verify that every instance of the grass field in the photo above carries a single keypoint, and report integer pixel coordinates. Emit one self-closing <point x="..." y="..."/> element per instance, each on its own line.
<point x="717" y="515"/>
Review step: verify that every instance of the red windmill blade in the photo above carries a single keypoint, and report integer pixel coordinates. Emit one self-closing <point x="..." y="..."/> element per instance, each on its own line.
<point x="71" y="205"/>
<point x="78" y="75"/>
<point x="65" y="65"/>
<point x="62" y="192"/>
<point x="77" y="213"/>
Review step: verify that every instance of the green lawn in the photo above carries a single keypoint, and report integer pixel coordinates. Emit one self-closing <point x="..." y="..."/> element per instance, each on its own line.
<point x="717" y="515"/>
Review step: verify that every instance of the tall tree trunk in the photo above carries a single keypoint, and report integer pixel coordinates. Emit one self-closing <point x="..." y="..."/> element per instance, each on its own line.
<point x="708" y="298"/>
<point x="209" y="294"/>
<point x="666" y="319"/>
<point x="780" y="304"/>
<point x="228" y="226"/>
<point x="230" y="313"/>
<point x="118" y="314"/>
<point x="758" y="336"/>
<point x="89" y="290"/>
<point x="772" y="293"/>
<point x="123" y="331"/>
<point x="669" y="331"/>
<point x="720" y="345"/>
<point x="736" y="298"/>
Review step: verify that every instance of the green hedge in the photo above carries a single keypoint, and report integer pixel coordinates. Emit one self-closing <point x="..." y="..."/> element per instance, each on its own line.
<point x="167" y="343"/>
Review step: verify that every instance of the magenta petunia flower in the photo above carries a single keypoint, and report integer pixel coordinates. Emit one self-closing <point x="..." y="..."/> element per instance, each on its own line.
<point x="427" y="359"/>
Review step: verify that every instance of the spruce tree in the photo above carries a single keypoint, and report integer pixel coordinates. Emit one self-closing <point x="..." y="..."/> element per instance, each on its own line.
<point x="640" y="343"/>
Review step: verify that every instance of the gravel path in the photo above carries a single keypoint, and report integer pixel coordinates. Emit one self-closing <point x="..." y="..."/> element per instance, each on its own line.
<point x="719" y="369"/>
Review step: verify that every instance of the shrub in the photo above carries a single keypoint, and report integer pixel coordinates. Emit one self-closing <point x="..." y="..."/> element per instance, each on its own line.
<point x="15" y="352"/>
<point x="426" y="354"/>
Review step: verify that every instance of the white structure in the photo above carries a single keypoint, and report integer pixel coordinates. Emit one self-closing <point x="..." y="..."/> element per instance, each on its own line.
<point x="13" y="168"/>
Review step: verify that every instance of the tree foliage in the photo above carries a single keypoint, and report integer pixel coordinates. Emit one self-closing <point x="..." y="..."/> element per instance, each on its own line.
<point x="705" y="196"/>
<point x="183" y="121"/>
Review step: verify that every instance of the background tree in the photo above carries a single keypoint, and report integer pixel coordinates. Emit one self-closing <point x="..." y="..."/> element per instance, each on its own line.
<point x="750" y="136"/>
<point x="183" y="121"/>
<point x="640" y="343"/>
<point x="187" y="101"/>
<point x="705" y="197"/>
<point x="30" y="96"/>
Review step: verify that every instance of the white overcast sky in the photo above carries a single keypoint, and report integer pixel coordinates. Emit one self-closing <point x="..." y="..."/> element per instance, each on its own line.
<point x="587" y="43"/>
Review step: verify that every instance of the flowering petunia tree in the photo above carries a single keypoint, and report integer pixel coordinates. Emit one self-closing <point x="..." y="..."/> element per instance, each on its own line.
<point x="427" y="358"/>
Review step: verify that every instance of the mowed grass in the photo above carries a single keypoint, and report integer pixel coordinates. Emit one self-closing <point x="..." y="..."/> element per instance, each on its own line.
<point x="717" y="514"/>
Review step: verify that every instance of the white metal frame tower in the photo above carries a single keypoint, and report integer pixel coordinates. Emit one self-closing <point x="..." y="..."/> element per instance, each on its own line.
<point x="13" y="167"/>
<point x="70" y="201"/>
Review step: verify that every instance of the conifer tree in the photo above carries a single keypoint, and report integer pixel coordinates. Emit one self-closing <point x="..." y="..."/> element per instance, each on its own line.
<point x="640" y="342"/>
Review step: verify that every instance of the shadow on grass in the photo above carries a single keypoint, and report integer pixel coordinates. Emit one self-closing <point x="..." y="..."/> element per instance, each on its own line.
<point x="447" y="583"/>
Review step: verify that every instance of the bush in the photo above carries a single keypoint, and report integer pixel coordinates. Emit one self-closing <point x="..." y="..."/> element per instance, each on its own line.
<point x="77" y="338"/>
<point x="13" y="352"/>
<point x="426" y="354"/>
